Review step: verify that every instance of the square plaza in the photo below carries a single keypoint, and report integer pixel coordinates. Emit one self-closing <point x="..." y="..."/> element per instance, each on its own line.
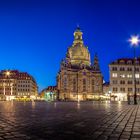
<point x="69" y="120"/>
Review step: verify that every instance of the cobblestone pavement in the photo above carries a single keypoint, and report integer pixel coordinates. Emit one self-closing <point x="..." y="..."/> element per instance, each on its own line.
<point x="69" y="121"/>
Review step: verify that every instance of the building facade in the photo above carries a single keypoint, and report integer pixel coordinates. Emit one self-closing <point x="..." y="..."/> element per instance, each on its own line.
<point x="15" y="84"/>
<point x="122" y="80"/>
<point x="78" y="79"/>
<point x="49" y="94"/>
<point x="106" y="90"/>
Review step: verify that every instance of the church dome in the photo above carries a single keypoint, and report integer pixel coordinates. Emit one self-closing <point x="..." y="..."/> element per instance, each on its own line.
<point x="78" y="53"/>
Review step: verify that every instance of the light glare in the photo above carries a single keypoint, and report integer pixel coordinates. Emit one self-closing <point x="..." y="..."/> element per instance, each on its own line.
<point x="134" y="40"/>
<point x="7" y="73"/>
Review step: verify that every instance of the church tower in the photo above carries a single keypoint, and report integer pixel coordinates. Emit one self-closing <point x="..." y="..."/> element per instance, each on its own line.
<point x="96" y="66"/>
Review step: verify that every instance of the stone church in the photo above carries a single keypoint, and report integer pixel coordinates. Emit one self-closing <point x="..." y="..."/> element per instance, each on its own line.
<point x="78" y="79"/>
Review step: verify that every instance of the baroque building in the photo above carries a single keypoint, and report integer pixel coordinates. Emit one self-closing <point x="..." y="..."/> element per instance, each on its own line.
<point x="78" y="79"/>
<point x="15" y="85"/>
<point x="122" y="79"/>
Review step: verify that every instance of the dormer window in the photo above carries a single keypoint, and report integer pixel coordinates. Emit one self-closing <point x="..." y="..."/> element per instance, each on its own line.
<point x="129" y="62"/>
<point x="137" y="62"/>
<point x="122" y="62"/>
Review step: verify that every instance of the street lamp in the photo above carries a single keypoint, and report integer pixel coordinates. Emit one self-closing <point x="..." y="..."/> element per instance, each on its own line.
<point x="7" y="73"/>
<point x="134" y="41"/>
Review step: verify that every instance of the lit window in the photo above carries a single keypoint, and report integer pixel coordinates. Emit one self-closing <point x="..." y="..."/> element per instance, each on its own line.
<point x="122" y="76"/>
<point x="114" y="74"/>
<point x="137" y="75"/>
<point x="129" y="76"/>
<point x="122" y="62"/>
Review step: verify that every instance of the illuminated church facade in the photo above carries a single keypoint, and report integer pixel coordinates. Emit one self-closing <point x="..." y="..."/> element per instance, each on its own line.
<point x="78" y="79"/>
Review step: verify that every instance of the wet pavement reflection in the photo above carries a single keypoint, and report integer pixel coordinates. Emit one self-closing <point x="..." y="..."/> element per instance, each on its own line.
<point x="68" y="120"/>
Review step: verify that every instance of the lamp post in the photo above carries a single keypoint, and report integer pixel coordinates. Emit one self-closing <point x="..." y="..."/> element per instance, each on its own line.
<point x="109" y="94"/>
<point x="134" y="41"/>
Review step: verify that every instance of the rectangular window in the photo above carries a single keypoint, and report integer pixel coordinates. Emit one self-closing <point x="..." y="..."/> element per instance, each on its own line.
<point x="137" y="76"/>
<point x="114" y="68"/>
<point x="122" y="82"/>
<point x="122" y="75"/>
<point x="115" y="89"/>
<point x="129" y="69"/>
<point x="122" y="89"/>
<point x="129" y="76"/>
<point x="130" y="89"/>
<point x="122" y="69"/>
<point x="114" y="81"/>
<point x="130" y="82"/>
<point x="114" y="74"/>
<point x="138" y="89"/>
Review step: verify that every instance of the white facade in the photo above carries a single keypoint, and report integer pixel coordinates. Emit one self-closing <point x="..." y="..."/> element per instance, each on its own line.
<point x="122" y="79"/>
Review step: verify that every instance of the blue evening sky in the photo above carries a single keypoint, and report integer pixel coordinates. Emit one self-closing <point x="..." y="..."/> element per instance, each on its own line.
<point x="35" y="34"/>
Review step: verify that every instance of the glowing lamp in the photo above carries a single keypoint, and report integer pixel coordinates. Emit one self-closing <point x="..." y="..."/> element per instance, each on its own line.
<point x="134" y="40"/>
<point x="8" y="73"/>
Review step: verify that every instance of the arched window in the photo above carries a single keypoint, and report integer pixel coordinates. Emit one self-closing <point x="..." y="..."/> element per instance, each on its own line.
<point x="65" y="83"/>
<point x="137" y="62"/>
<point x="92" y="81"/>
<point x="74" y="84"/>
<point x="84" y="84"/>
<point x="92" y="85"/>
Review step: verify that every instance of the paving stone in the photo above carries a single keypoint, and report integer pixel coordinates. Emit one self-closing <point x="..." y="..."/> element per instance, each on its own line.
<point x="134" y="138"/>
<point x="66" y="121"/>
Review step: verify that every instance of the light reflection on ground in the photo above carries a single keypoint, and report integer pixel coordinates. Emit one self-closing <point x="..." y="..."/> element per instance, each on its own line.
<point x="63" y="120"/>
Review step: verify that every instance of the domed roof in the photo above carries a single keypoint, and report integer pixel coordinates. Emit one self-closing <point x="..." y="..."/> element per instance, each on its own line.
<point x="78" y="53"/>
